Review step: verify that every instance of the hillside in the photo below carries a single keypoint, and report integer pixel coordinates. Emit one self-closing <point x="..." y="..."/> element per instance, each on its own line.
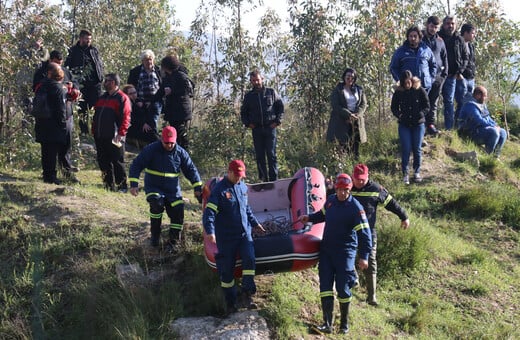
<point x="454" y="274"/>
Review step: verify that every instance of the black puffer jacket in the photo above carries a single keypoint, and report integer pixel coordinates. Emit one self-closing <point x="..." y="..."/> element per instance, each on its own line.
<point x="177" y="105"/>
<point x="410" y="106"/>
<point x="53" y="130"/>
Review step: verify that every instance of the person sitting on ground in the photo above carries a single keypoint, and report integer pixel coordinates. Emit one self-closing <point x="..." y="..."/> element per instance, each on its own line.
<point x="476" y="123"/>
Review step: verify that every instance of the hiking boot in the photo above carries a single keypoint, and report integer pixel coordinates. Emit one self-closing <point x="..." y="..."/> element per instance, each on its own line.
<point x="432" y="130"/>
<point x="406" y="179"/>
<point x="417" y="178"/>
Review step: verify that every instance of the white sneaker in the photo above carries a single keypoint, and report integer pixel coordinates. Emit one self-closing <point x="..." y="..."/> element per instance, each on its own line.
<point x="417" y="178"/>
<point x="406" y="179"/>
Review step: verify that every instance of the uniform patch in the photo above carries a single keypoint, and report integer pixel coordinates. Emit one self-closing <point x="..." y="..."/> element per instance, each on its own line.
<point x="228" y="195"/>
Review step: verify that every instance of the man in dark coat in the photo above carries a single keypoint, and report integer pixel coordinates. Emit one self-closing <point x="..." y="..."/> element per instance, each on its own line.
<point x="85" y="63"/>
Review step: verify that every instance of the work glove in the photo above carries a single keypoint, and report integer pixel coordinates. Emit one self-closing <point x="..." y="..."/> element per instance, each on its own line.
<point x="197" y="191"/>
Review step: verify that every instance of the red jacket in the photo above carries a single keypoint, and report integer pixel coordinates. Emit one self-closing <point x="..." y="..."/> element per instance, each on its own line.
<point x="112" y="114"/>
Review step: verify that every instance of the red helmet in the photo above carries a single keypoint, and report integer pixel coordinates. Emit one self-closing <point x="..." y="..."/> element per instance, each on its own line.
<point x="343" y="181"/>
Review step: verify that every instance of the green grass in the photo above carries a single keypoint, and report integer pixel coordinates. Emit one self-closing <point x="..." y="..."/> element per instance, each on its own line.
<point x="453" y="275"/>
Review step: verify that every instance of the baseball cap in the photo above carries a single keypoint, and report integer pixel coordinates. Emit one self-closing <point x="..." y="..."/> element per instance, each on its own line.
<point x="169" y="134"/>
<point x="360" y="172"/>
<point x="343" y="181"/>
<point x="238" y="167"/>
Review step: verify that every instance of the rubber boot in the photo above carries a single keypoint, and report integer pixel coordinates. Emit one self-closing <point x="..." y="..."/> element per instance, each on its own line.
<point x="371" y="289"/>
<point x="247" y="300"/>
<point x="155" y="230"/>
<point x="327" y="306"/>
<point x="343" y="322"/>
<point x="175" y="237"/>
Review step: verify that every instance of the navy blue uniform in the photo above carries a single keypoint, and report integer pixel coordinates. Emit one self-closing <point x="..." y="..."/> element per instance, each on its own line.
<point x="229" y="216"/>
<point x="370" y="196"/>
<point x="161" y="182"/>
<point x="346" y="230"/>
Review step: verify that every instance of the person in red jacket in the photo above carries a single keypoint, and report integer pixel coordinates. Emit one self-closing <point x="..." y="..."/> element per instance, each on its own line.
<point x="109" y="126"/>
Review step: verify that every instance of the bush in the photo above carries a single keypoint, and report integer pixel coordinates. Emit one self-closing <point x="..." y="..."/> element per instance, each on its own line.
<point x="401" y="252"/>
<point x="493" y="201"/>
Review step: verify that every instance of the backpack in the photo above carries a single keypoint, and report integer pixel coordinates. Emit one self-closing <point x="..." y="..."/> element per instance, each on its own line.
<point x="188" y="83"/>
<point x="40" y="104"/>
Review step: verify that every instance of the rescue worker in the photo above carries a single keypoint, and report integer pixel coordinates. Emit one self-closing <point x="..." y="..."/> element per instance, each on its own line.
<point x="228" y="220"/>
<point x="370" y="194"/>
<point x="162" y="162"/>
<point x="346" y="230"/>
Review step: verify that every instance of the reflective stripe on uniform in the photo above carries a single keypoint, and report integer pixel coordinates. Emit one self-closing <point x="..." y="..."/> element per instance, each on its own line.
<point x="159" y="215"/>
<point x="365" y="194"/>
<point x="176" y="226"/>
<point x="176" y="203"/>
<point x="227" y="284"/>
<point x="326" y="293"/>
<point x="131" y="179"/>
<point x="248" y="272"/>
<point x="153" y="194"/>
<point x="388" y="199"/>
<point x="345" y="300"/>
<point x="212" y="206"/>
<point x="196" y="184"/>
<point x="361" y="226"/>
<point x="162" y="174"/>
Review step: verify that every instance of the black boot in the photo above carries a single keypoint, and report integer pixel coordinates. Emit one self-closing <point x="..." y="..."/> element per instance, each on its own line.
<point x="343" y="323"/>
<point x="155" y="230"/>
<point x="175" y="237"/>
<point x="246" y="300"/>
<point x="327" y="306"/>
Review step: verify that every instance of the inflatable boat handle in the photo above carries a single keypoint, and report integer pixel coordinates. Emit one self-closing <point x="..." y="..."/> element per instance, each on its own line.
<point x="306" y="227"/>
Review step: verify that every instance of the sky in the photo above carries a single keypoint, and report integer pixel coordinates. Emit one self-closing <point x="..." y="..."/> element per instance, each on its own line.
<point x="185" y="11"/>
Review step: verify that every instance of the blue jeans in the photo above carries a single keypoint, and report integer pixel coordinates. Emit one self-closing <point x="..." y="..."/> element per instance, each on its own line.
<point x="463" y="88"/>
<point x="448" y="94"/>
<point x="492" y="138"/>
<point x="411" y="140"/>
<point x="264" y="140"/>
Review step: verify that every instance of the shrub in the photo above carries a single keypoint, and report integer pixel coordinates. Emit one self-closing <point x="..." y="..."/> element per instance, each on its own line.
<point x="401" y="252"/>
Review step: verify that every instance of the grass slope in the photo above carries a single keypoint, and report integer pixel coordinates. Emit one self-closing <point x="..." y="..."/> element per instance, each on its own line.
<point x="454" y="274"/>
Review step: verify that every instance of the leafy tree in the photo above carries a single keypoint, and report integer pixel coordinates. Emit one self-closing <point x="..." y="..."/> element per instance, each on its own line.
<point x="122" y="29"/>
<point x="310" y="60"/>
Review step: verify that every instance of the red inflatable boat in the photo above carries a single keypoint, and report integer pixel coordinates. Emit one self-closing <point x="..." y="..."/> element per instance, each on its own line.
<point x="288" y="245"/>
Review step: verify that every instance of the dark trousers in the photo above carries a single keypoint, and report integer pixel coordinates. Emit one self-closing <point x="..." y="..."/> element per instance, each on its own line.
<point x="181" y="126"/>
<point x="264" y="140"/>
<point x="111" y="163"/>
<point x="65" y="150"/>
<point x="174" y="210"/>
<point x="226" y="260"/>
<point x="49" y="160"/>
<point x="90" y="95"/>
<point x="433" y="96"/>
<point x="337" y="267"/>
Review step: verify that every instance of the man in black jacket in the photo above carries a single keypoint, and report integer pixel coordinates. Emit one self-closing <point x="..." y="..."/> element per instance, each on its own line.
<point x="86" y="65"/>
<point x="457" y="62"/>
<point x="262" y="111"/>
<point x="436" y="44"/>
<point x="177" y="91"/>
<point x="147" y="80"/>
<point x="370" y="194"/>
<point x="466" y="85"/>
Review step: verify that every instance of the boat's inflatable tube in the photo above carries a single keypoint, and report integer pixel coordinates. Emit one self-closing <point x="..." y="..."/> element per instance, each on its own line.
<point x="289" y="245"/>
